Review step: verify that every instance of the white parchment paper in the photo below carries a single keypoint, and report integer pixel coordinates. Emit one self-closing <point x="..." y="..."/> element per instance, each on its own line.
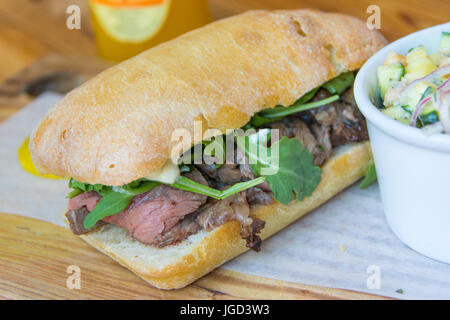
<point x="344" y="244"/>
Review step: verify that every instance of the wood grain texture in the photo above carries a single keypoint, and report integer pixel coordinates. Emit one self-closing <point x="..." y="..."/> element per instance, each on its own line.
<point x="34" y="256"/>
<point x="398" y="18"/>
<point x="53" y="72"/>
<point x="30" y="29"/>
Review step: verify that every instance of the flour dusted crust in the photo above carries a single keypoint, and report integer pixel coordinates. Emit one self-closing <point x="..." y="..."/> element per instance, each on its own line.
<point x="117" y="127"/>
<point x="178" y="265"/>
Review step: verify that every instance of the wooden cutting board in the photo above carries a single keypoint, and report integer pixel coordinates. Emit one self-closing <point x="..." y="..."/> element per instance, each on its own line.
<point x="35" y="255"/>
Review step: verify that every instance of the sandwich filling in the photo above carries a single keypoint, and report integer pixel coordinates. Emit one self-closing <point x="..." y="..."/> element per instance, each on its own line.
<point x="163" y="214"/>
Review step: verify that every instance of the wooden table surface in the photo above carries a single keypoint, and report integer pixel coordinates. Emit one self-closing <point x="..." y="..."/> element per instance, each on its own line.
<point x="34" y="254"/>
<point x="30" y="29"/>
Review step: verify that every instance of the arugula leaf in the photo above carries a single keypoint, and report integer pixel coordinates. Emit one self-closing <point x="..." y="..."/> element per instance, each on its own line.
<point x="74" y="184"/>
<point x="307" y="96"/>
<point x="371" y="177"/>
<point x="186" y="184"/>
<point x="335" y="86"/>
<point x="74" y="193"/>
<point x="295" y="108"/>
<point x="258" y="120"/>
<point x="111" y="203"/>
<point x="279" y="112"/>
<point x="340" y="83"/>
<point x="114" y="200"/>
<point x="293" y="175"/>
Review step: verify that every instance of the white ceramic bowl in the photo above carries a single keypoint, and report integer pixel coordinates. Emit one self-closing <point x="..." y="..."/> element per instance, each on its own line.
<point x="413" y="169"/>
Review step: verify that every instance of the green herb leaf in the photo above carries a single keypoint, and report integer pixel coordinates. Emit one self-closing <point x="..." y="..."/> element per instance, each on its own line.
<point x="293" y="175"/>
<point x="114" y="200"/>
<point x="279" y="112"/>
<point x="74" y="193"/>
<point x="144" y="186"/>
<point x="186" y="184"/>
<point x="371" y="177"/>
<point x="258" y="120"/>
<point x="429" y="118"/>
<point x="340" y="83"/>
<point x="307" y="96"/>
<point x="74" y="184"/>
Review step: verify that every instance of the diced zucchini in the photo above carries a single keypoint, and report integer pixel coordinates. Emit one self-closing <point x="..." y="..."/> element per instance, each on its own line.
<point x="429" y="114"/>
<point x="387" y="74"/>
<point x="429" y="118"/>
<point x="420" y="90"/>
<point x="398" y="113"/>
<point x="436" y="58"/>
<point x="445" y="41"/>
<point x="419" y="63"/>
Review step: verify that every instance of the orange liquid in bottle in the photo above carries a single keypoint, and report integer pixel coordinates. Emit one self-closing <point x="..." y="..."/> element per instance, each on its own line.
<point x="124" y="28"/>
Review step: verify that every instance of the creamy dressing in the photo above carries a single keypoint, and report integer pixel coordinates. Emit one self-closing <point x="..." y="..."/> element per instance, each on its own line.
<point x="168" y="174"/>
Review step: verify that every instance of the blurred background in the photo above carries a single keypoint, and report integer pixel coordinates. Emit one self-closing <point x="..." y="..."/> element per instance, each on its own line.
<point x="32" y="30"/>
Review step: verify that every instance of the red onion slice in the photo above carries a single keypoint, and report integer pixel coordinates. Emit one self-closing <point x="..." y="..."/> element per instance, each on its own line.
<point x="444" y="110"/>
<point x="417" y="111"/>
<point x="445" y="83"/>
<point x="437" y="74"/>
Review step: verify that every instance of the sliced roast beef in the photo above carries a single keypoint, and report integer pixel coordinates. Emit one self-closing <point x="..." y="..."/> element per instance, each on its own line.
<point x="348" y="97"/>
<point x="284" y="128"/>
<point x="183" y="229"/>
<point x="229" y="174"/>
<point x="325" y="115"/>
<point x="293" y="127"/>
<point x="348" y="126"/>
<point x="323" y="136"/>
<point x="76" y="220"/>
<point x="216" y="213"/>
<point x="244" y="165"/>
<point x="209" y="169"/>
<point x="249" y="232"/>
<point x="166" y="216"/>
<point x="79" y="208"/>
<point x="220" y="175"/>
<point x="345" y="121"/>
<point x="149" y="214"/>
<point x="152" y="213"/>
<point x="259" y="196"/>
<point x="155" y="212"/>
<point x="87" y="199"/>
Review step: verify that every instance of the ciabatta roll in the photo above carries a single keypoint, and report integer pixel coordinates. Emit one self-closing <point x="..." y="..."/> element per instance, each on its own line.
<point x="115" y="128"/>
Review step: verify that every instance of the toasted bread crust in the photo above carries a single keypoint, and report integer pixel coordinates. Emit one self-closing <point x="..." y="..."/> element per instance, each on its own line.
<point x="117" y="127"/>
<point x="176" y="266"/>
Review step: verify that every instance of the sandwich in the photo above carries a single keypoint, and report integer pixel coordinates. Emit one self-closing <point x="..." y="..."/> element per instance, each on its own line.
<point x="265" y="98"/>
